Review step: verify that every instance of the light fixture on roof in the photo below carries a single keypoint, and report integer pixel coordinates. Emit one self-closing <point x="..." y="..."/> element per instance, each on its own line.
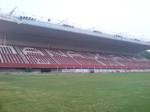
<point x="49" y="20"/>
<point x="12" y="11"/>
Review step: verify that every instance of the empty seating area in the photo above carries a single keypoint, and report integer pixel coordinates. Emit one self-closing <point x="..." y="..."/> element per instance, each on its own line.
<point x="61" y="57"/>
<point x="86" y="59"/>
<point x="34" y="57"/>
<point x="8" y="55"/>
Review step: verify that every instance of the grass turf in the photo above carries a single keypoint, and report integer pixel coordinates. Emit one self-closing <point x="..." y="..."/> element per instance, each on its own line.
<point x="75" y="93"/>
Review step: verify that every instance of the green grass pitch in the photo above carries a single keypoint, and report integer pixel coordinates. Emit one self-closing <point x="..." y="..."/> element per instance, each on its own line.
<point x="118" y="92"/>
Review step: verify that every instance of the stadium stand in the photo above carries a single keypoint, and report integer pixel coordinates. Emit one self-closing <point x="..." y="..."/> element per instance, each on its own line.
<point x="29" y="43"/>
<point x="24" y="56"/>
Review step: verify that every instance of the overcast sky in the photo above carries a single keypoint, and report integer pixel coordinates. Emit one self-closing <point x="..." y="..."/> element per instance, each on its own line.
<point x="130" y="17"/>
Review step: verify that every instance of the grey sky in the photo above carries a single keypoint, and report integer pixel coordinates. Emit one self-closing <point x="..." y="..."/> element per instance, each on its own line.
<point x="122" y="16"/>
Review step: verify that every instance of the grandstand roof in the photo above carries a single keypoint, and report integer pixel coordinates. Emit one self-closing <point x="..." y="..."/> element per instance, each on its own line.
<point x="53" y="34"/>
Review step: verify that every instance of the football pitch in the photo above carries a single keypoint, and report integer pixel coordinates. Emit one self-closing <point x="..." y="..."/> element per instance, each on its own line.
<point x="118" y="92"/>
